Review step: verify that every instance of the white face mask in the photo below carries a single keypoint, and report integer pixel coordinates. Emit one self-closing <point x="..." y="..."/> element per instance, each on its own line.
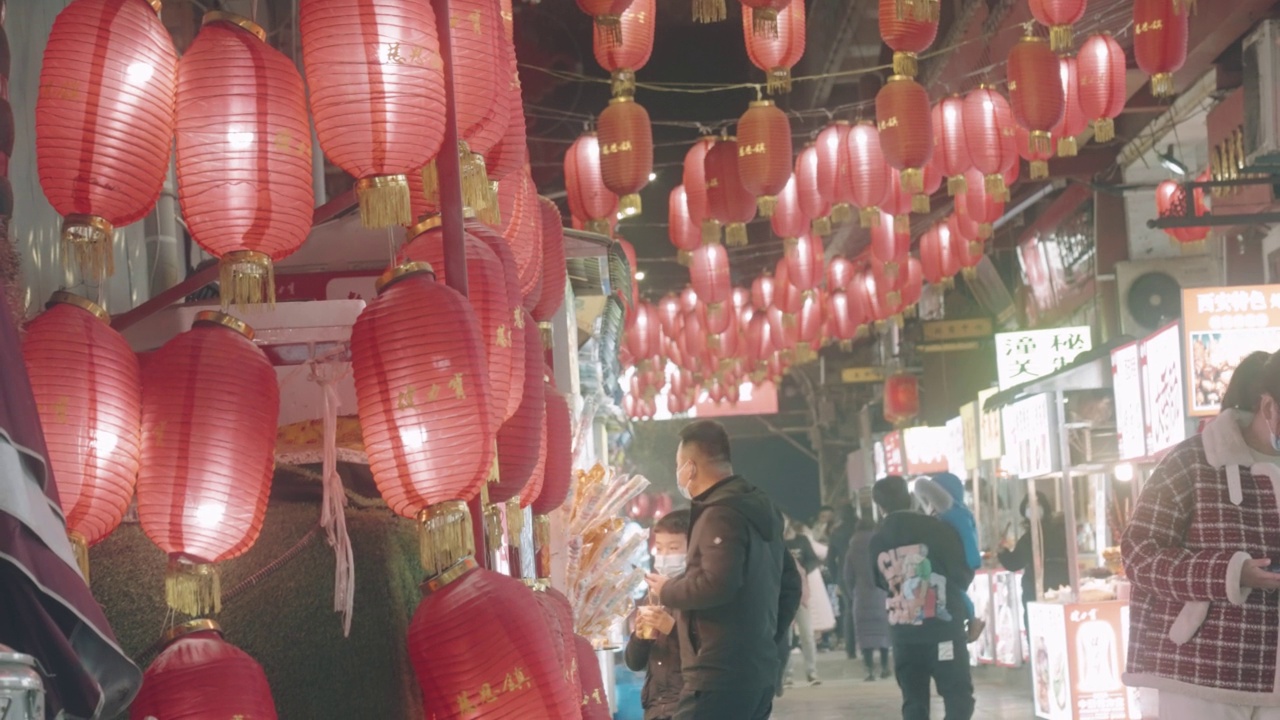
<point x="669" y="565"/>
<point x="684" y="489"/>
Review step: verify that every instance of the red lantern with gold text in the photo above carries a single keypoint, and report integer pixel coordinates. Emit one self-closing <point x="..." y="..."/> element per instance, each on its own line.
<point x="840" y="272"/>
<point x="907" y="34"/>
<point x="554" y="271"/>
<point x="776" y="53"/>
<point x="210" y="401"/>
<point x="986" y="115"/>
<point x="1058" y="16"/>
<point x="804" y="261"/>
<point x="1100" y="69"/>
<point x="783" y="329"/>
<point x="595" y="699"/>
<point x="199" y="675"/>
<point x="685" y="234"/>
<point x="390" y="69"/>
<point x="559" y="467"/>
<point x="244" y="154"/>
<point x="709" y="274"/>
<point x="868" y="170"/>
<point x="695" y="188"/>
<point x="764" y="153"/>
<point x="88" y="392"/>
<point x="520" y="438"/>
<point x="788" y="220"/>
<point x="905" y="122"/>
<point x="728" y="200"/>
<point x="104" y="122"/>
<point x="1035" y="93"/>
<point x="502" y="250"/>
<point x="950" y="145"/>
<point x="815" y="203"/>
<point x="901" y="399"/>
<point x="558" y="616"/>
<point x="607" y="15"/>
<point x="1161" y="29"/>
<point x="622" y="59"/>
<point x="626" y="151"/>
<point x="589" y="199"/>
<point x="1073" y="119"/>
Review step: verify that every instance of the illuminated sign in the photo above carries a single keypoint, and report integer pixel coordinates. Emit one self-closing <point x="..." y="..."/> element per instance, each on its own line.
<point x="1126" y="384"/>
<point x="925" y="449"/>
<point x="991" y="436"/>
<point x="955" y="447"/>
<point x="1222" y="326"/>
<point x="877" y="460"/>
<point x="1031" y="436"/>
<point x="1163" y="398"/>
<point x="972" y="435"/>
<point x="894" y="461"/>
<point x="1024" y="356"/>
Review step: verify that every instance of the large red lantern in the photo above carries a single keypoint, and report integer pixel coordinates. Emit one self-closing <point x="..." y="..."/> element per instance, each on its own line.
<point x="695" y="188"/>
<point x="904" y="120"/>
<point x="986" y="115"/>
<point x="776" y="53"/>
<point x="788" y="220"/>
<point x="558" y="475"/>
<point x="607" y="15"/>
<point x="815" y="203"/>
<point x="626" y="151"/>
<point x="1100" y="69"/>
<point x="522" y="231"/>
<point x="589" y="199"/>
<point x="833" y="168"/>
<point x="623" y="59"/>
<point x="950" y="145"/>
<point x="804" y="261"/>
<point x="1058" y="16"/>
<point x="511" y="153"/>
<point x="521" y="438"/>
<point x="1035" y="91"/>
<point x="210" y="400"/>
<point x="728" y="200"/>
<point x="907" y="34"/>
<point x="244" y="154"/>
<point x="480" y="67"/>
<point x="200" y="676"/>
<point x="1161" y="30"/>
<point x="709" y="274"/>
<point x="684" y="233"/>
<point x="498" y="245"/>
<point x="901" y="398"/>
<point x="764" y="153"/>
<point x="104" y="122"/>
<point x="554" y="270"/>
<point x="88" y="393"/>
<point x="390" y="69"/>
<point x="869" y="172"/>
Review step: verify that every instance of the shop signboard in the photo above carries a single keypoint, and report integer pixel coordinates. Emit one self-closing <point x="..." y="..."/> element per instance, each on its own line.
<point x="925" y="450"/>
<point x="877" y="461"/>
<point x="895" y="462"/>
<point x="955" y="447"/>
<point x="1222" y="326"/>
<point x="1096" y="661"/>
<point x="1126" y="383"/>
<point x="991" y="436"/>
<point x="1024" y="356"/>
<point x="1162" y="398"/>
<point x="1031" y="436"/>
<point x="1050" y="666"/>
<point x="972" y="436"/>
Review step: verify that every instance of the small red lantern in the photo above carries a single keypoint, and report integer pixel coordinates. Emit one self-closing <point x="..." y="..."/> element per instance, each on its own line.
<point x="840" y="272"/>
<point x="595" y="699"/>
<point x="888" y="245"/>
<point x="788" y="220"/>
<point x="695" y="188"/>
<point x="980" y="206"/>
<point x="833" y="168"/>
<point x="210" y="400"/>
<point x="558" y="475"/>
<point x="904" y="120"/>
<point x="520" y="438"/>
<point x="804" y="262"/>
<point x="914" y="288"/>
<point x="626" y="151"/>
<point x="623" y="59"/>
<point x="778" y="52"/>
<point x="391" y="70"/>
<point x="815" y="203"/>
<point x="1100" y="68"/>
<point x="1036" y="99"/>
<point x="728" y="200"/>
<point x="762" y="292"/>
<point x="88" y="392"/>
<point x="1073" y="119"/>
<point x="950" y="145"/>
<point x="1036" y="154"/>
<point x="907" y="34"/>
<point x="669" y="314"/>
<point x="104" y="122"/>
<point x="531" y="491"/>
<point x="933" y="257"/>
<point x="607" y="15"/>
<point x="200" y="675"/>
<point x="764" y="153"/>
<point x="589" y="199"/>
<point x="1058" y="16"/>
<point x="1161" y="30"/>
<point x="522" y="231"/>
<point x="986" y="115"/>
<point x="922" y="202"/>
<point x="709" y="274"/>
<point x="846" y="316"/>
<point x="684" y="233"/>
<point x="868" y="170"/>
<point x="783" y="330"/>
<point x="554" y="270"/>
<point x="901" y="398"/>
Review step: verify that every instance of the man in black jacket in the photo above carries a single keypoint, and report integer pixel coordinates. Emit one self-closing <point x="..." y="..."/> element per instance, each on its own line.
<point x="919" y="561"/>
<point x="737" y="594"/>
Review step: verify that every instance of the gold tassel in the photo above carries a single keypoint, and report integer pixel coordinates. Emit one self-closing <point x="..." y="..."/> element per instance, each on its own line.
<point x="1061" y="36"/>
<point x="493" y="533"/>
<point x="80" y="548"/>
<point x="891" y="269"/>
<point x="869" y="217"/>
<point x="1162" y="85"/>
<point x="1104" y="130"/>
<point x="710" y="232"/>
<point x="629" y="205"/>
<point x="903" y="9"/>
<point x="912" y="180"/>
<point x="788" y="320"/>
<point x="515" y="527"/>
<point x="905" y="63"/>
<point x="431" y="184"/>
<point x="495" y="474"/>
<point x="985" y="230"/>
<point x="685" y="258"/>
<point x="1192" y="248"/>
<point x="933" y="10"/>
<point x="956" y="185"/>
<point x="599" y="227"/>
<point x="779" y="81"/>
<point x="1041" y="142"/>
<point x="547" y="334"/>
<point x="790" y="243"/>
<point x="804" y="353"/>
<point x="994" y="185"/>
<point x="902" y="223"/>
<point x="765" y="205"/>
<point x="246" y="278"/>
<point x="764" y="21"/>
<point x="735" y="234"/>
<point x="1068" y="147"/>
<point x="975" y="248"/>
<point x="384" y="201"/>
<point x="821" y="226"/>
<point x="542" y="547"/>
<point x="610" y="27"/>
<point x="709" y="11"/>
<point x="193" y="589"/>
<point x="444" y="536"/>
<point x="841" y="213"/>
<point x="88" y="245"/>
<point x="475" y="184"/>
<point x="920" y="204"/>
<point x="623" y="82"/>
<point x="1039" y="169"/>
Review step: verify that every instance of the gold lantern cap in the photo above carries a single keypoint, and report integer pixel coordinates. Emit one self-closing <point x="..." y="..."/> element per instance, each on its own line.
<point x="178" y="632"/>
<point x="760" y="103"/>
<point x="430" y="222"/>
<point x="240" y="20"/>
<point x="66" y="298"/>
<point x="402" y="271"/>
<point x="621" y="99"/>
<point x="216" y="317"/>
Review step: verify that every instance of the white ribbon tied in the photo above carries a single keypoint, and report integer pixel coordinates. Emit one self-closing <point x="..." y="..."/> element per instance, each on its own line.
<point x="333" y="515"/>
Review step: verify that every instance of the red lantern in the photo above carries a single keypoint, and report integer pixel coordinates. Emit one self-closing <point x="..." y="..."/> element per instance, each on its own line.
<point x="963" y="226"/>
<point x="709" y="274"/>
<point x="922" y="202"/>
<point x="914" y="288"/>
<point x="804" y="261"/>
<point x="595" y="699"/>
<point x="669" y="314"/>
<point x="986" y="115"/>
<point x="1058" y="16"/>
<point x="844" y="315"/>
<point x="810" y="320"/>
<point x="904" y="119"/>
<point x="833" y="168"/>
<point x="888" y="245"/>
<point x="868" y="170"/>
<point x="104" y="122"/>
<point x="1100" y="68"/>
<point x="626" y="151"/>
<point x="901" y="398"/>
<point x="88" y="393"/>
<point x="623" y="59"/>
<point x="643" y="337"/>
<point x="815" y="203"/>
<point x="898" y="203"/>
<point x="718" y="318"/>
<point x="589" y="199"/>
<point x="520" y="439"/>
<point x="1037" y="101"/>
<point x="554" y="271"/>
<point x="1036" y="154"/>
<point x="199" y="676"/>
<point x="933" y="257"/>
<point x="776" y="53"/>
<point x="558" y="616"/>
<point x="788" y="220"/>
<point x="244" y="174"/>
<point x="391" y="70"/>
<point x="479" y="644"/>
<point x="695" y="188"/>
<point x="479" y="67"/>
<point x="511" y="153"/>
<point x="498" y="245"/>
<point x="950" y="145"/>
<point x="607" y="15"/>
<point x="840" y="272"/>
<point x="685" y="234"/>
<point x="728" y="200"/>
<point x="1171" y="201"/>
<point x="522" y="230"/>
<point x="907" y="34"/>
<point x="783" y="329"/>
<point x="558" y="475"/>
<point x="1161" y="29"/>
<point x="759" y="337"/>
<point x="531" y="491"/>
<point x="764" y="153"/>
<point x="762" y="292"/>
<point x="1073" y="119"/>
<point x="210" y="400"/>
<point x="956" y="250"/>
<point x="980" y="206"/>
<point x="764" y="15"/>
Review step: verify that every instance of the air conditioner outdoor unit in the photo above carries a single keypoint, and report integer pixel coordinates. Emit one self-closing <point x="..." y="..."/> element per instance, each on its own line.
<point x="1150" y="291"/>
<point x="1262" y="96"/>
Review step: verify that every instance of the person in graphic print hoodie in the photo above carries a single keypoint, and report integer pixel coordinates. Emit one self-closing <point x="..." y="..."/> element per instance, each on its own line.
<point x="919" y="561"/>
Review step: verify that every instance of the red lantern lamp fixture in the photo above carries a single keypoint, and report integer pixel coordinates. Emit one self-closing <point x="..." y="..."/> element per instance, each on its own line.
<point x="391" y="69"/>
<point x="1036" y="154"/>
<point x="889" y="245"/>
<point x="904" y="119"/>
<point x="901" y="398"/>
<point x="833" y="169"/>
<point x="209" y="407"/>
<point x="815" y="202"/>
<point x="88" y="393"/>
<point x="623" y="59"/>
<point x="804" y="259"/>
<point x="764" y="153"/>
<point x="588" y="196"/>
<point x="626" y="151"/>
<point x="728" y="200"/>
<point x="763" y="289"/>
<point x="933" y="257"/>
<point x="1058" y="16"/>
<point x="709" y="274"/>
<point x="1073" y="119"/>
<point x="104" y="122"/>
<point x="1035" y="92"/>
<point x="200" y="675"/>
<point x="777" y="52"/>
<point x="788" y="220"/>
<point x="684" y="233"/>
<point x="1171" y="201"/>
<point x="695" y="188"/>
<point x="907" y="34"/>
<point x="521" y="229"/>
<point x="1100" y="69"/>
<point x="869" y="172"/>
<point x="554" y="271"/>
<point x="986" y="116"/>
<point x="980" y="206"/>
<point x="1160" y="34"/>
<point x="522" y="439"/>
<point x="607" y="15"/>
<point x="950" y="145"/>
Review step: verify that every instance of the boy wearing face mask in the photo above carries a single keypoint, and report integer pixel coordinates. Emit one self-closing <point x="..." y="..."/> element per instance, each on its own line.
<point x="655" y="646"/>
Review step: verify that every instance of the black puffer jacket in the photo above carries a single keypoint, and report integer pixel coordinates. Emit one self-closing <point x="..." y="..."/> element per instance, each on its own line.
<point x="736" y="592"/>
<point x="660" y="659"/>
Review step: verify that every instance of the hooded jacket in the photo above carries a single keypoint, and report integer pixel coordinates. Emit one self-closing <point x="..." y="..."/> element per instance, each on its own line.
<point x="660" y="659"/>
<point x="737" y="593"/>
<point x="944" y="493"/>
<point x="920" y="564"/>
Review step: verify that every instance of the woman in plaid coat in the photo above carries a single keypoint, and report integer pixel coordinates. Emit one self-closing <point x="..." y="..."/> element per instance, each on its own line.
<point x="1205" y="622"/>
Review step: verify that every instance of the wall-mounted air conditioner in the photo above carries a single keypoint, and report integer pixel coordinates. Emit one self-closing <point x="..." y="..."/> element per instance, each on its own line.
<point x="1151" y="290"/>
<point x="1262" y="96"/>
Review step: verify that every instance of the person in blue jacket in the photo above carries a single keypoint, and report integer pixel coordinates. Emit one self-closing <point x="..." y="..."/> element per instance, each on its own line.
<point x="943" y="497"/>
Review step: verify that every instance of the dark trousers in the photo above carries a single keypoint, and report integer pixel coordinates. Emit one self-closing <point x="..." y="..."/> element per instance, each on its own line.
<point x="916" y="665"/>
<point x="846" y="626"/>
<point x="869" y="657"/>
<point x="737" y="704"/>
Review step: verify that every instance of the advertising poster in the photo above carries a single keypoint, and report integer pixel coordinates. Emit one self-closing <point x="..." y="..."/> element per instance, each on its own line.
<point x="1050" y="666"/>
<point x="1163" y="398"/>
<point x="1126" y="384"/>
<point x="1223" y="325"/>
<point x="1097" y="659"/>
<point x="1024" y="356"/>
<point x="983" y="650"/>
